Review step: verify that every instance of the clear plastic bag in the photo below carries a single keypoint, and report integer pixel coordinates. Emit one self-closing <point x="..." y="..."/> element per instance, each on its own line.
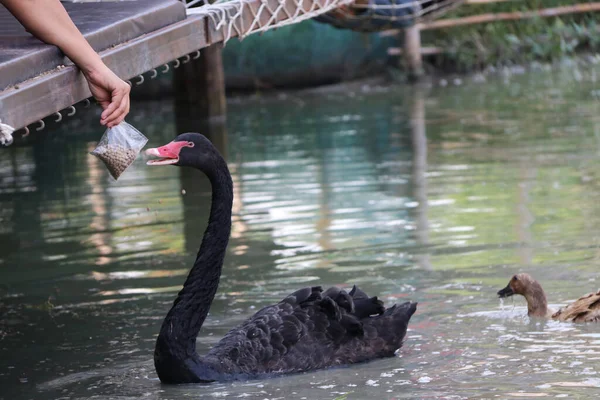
<point x="119" y="147"/>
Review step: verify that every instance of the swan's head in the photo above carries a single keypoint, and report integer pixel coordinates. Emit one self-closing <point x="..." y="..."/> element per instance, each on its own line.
<point x="518" y="284"/>
<point x="187" y="150"/>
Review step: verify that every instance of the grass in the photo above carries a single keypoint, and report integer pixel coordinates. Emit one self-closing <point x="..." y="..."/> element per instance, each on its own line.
<point x="474" y="47"/>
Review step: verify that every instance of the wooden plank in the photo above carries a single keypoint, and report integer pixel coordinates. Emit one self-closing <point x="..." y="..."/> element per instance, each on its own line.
<point x="509" y="16"/>
<point x="397" y="51"/>
<point x="200" y="88"/>
<point x="44" y="95"/>
<point x="390" y="33"/>
<point x="56" y="90"/>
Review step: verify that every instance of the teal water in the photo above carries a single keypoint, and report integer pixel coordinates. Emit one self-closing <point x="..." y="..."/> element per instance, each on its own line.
<point x="436" y="195"/>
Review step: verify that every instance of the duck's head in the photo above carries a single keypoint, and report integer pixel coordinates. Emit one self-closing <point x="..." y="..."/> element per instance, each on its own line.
<point x="518" y="284"/>
<point x="186" y="150"/>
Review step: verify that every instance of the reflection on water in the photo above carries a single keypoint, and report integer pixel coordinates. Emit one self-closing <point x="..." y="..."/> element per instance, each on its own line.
<point x="432" y="195"/>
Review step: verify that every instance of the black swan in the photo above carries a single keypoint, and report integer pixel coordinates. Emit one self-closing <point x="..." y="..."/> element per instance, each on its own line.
<point x="309" y="329"/>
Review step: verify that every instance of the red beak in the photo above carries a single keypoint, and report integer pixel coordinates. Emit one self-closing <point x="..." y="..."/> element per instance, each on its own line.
<point x="169" y="153"/>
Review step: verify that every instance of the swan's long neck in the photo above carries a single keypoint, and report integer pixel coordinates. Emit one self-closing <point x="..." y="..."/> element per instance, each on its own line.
<point x="175" y="355"/>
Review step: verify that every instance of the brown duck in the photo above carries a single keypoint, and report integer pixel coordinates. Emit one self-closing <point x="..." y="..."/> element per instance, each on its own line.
<point x="584" y="309"/>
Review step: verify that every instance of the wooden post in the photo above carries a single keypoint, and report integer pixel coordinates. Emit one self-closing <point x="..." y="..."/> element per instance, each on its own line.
<point x="412" y="52"/>
<point x="200" y="86"/>
<point x="213" y="96"/>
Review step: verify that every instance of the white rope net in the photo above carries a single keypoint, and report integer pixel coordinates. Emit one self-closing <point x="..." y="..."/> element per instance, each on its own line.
<point x="228" y="16"/>
<point x="359" y="15"/>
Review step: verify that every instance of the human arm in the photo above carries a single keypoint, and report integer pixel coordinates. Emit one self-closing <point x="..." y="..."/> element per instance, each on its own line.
<point x="49" y="21"/>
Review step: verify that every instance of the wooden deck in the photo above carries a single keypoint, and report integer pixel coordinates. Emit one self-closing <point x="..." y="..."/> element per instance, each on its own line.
<point x="29" y="99"/>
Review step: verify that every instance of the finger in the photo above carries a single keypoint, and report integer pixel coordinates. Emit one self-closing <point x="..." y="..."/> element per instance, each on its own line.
<point x="116" y="100"/>
<point x="104" y="105"/>
<point x="118" y="120"/>
<point x="111" y="108"/>
<point x="121" y="111"/>
<point x="119" y="114"/>
<point x="119" y="100"/>
<point x="101" y="96"/>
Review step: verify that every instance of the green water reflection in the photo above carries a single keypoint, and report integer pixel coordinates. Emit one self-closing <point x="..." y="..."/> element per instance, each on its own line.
<point x="432" y="194"/>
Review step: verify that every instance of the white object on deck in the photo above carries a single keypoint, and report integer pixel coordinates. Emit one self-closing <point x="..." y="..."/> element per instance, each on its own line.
<point x="6" y="132"/>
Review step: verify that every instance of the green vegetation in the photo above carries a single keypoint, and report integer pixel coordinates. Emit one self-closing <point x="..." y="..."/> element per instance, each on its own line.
<point x="472" y="47"/>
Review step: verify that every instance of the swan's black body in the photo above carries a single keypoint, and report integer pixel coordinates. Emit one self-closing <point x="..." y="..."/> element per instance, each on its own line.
<point x="309" y="329"/>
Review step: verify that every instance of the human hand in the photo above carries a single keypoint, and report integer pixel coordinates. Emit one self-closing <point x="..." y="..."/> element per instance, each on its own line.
<point x="49" y="21"/>
<point x="111" y="92"/>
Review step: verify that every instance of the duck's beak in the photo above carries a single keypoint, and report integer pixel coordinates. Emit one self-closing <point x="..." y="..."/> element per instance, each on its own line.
<point x="506" y="292"/>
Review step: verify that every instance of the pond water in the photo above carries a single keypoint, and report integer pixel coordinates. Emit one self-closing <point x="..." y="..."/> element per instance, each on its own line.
<point x="436" y="195"/>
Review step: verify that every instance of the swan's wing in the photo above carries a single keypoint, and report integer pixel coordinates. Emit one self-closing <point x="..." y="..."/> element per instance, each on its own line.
<point x="301" y="332"/>
<point x="356" y="302"/>
<point x="382" y="335"/>
<point x="357" y="294"/>
<point x="341" y="298"/>
<point x="365" y="306"/>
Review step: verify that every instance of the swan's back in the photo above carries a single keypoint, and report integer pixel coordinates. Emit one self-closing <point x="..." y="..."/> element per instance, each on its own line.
<point x="584" y="309"/>
<point x="312" y="329"/>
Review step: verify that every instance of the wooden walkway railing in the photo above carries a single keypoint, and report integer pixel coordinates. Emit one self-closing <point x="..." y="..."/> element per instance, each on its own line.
<point x="30" y="101"/>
